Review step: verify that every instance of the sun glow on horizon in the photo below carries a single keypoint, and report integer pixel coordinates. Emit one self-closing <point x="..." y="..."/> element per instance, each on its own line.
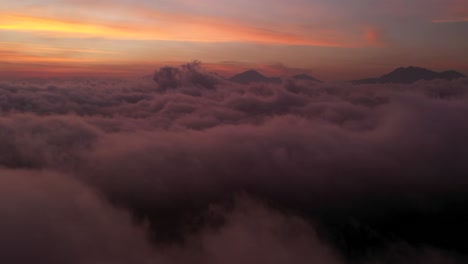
<point x="332" y="37"/>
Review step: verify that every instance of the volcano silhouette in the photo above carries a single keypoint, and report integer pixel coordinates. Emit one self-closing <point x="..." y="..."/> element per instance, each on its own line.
<point x="410" y="75"/>
<point x="252" y="76"/>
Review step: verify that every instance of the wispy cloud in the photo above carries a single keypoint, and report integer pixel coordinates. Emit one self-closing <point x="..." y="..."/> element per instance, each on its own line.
<point x="451" y="20"/>
<point x="332" y="35"/>
<point x="374" y="36"/>
<point x="176" y="27"/>
<point x="19" y="46"/>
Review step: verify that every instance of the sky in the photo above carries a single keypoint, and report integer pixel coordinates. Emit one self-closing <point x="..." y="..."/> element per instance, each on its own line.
<point x="330" y="39"/>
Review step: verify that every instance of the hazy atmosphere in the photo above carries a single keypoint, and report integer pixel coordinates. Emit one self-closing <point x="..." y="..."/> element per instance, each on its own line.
<point x="333" y="39"/>
<point x="328" y="132"/>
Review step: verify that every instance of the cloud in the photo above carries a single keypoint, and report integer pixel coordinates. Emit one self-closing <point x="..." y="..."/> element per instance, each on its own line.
<point x="453" y="20"/>
<point x="190" y="74"/>
<point x="50" y="218"/>
<point x="374" y="36"/>
<point x="253" y="233"/>
<point x="321" y="167"/>
<point x="178" y="28"/>
<point x="56" y="219"/>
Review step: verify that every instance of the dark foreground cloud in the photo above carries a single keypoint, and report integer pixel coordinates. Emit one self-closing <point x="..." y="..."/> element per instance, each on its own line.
<point x="136" y="171"/>
<point x="50" y="218"/>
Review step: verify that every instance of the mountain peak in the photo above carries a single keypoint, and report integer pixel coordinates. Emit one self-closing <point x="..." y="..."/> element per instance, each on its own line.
<point x="251" y="76"/>
<point x="411" y="74"/>
<point x="252" y="71"/>
<point x="305" y="77"/>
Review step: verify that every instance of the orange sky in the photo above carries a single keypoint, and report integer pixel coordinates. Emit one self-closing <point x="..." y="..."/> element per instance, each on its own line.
<point x="333" y="39"/>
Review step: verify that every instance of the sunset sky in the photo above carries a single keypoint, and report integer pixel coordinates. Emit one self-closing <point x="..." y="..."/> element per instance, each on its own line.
<point x="331" y="39"/>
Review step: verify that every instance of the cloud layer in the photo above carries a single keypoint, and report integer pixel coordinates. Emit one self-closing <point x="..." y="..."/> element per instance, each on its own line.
<point x="192" y="168"/>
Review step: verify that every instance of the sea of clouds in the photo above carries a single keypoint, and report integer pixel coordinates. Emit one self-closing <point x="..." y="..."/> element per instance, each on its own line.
<point x="187" y="167"/>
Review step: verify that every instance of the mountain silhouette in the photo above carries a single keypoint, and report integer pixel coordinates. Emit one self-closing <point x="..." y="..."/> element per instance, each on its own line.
<point x="305" y="77"/>
<point x="252" y="76"/>
<point x="410" y="75"/>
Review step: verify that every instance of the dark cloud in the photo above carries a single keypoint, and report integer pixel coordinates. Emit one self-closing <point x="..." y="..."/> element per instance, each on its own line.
<point x="373" y="173"/>
<point x="50" y="218"/>
<point x="53" y="141"/>
<point x="190" y="74"/>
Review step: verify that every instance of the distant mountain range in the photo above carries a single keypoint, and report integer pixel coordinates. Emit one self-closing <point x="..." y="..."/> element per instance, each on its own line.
<point x="400" y="75"/>
<point x="252" y="76"/>
<point x="410" y="75"/>
<point x="305" y="77"/>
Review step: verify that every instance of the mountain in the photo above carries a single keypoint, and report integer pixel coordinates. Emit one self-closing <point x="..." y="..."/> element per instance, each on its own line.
<point x="305" y="77"/>
<point x="450" y="75"/>
<point x="251" y="76"/>
<point x="411" y="74"/>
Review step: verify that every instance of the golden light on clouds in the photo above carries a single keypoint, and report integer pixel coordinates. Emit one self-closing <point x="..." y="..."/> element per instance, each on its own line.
<point x="329" y="35"/>
<point x="194" y="31"/>
<point x="35" y="24"/>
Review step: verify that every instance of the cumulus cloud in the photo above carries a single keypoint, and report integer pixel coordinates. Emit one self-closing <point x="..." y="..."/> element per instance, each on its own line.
<point x="190" y="74"/>
<point x="334" y="164"/>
